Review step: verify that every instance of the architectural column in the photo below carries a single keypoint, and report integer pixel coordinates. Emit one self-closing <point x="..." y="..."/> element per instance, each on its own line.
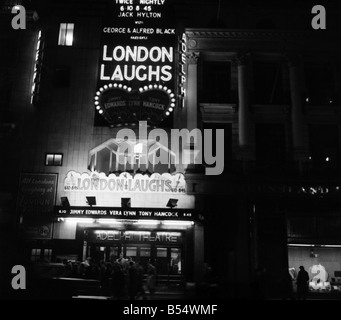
<point x="191" y="149"/>
<point x="244" y="115"/>
<point x="297" y="117"/>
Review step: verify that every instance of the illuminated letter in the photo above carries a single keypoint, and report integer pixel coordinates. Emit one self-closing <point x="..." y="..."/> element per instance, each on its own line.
<point x="129" y="77"/>
<point x="138" y="77"/>
<point x="103" y="77"/>
<point x="155" y="73"/>
<point x="116" y="57"/>
<point x="152" y="185"/>
<point x="168" y="54"/>
<point x="117" y="75"/>
<point x="105" y="58"/>
<point x="19" y="21"/>
<point x="319" y="21"/>
<point x="166" y="75"/>
<point x="219" y="158"/>
<point x="183" y="58"/>
<point x="140" y="57"/>
<point x="158" y="57"/>
<point x="131" y="53"/>
<point x="19" y="280"/>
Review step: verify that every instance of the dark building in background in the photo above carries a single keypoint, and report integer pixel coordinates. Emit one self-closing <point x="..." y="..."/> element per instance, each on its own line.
<point x="257" y="70"/>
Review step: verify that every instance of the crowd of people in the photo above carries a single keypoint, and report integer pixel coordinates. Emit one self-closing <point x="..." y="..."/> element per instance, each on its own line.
<point x="122" y="278"/>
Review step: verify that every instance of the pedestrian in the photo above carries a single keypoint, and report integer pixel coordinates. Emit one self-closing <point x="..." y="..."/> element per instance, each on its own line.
<point x="140" y="292"/>
<point x="302" y="284"/>
<point x="132" y="280"/>
<point x="151" y="278"/>
<point x="118" y="281"/>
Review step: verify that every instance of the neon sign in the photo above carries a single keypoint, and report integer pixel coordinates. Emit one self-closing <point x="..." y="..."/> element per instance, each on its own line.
<point x="182" y="65"/>
<point x="137" y="63"/>
<point x="156" y="183"/>
<point x="142" y="72"/>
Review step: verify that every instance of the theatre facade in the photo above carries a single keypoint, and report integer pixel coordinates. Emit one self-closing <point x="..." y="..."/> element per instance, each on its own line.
<point x="109" y="183"/>
<point x="100" y="166"/>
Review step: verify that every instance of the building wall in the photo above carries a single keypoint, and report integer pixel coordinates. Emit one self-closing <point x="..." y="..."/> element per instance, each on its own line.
<point x="330" y="258"/>
<point x="62" y="121"/>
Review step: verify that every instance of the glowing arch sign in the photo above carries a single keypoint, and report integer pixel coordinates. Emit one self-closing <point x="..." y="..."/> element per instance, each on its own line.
<point x="121" y="104"/>
<point x="136" y="73"/>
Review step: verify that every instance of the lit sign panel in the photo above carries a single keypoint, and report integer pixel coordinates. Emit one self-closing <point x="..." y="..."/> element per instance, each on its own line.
<point x="156" y="183"/>
<point x="182" y="66"/>
<point x="130" y="213"/>
<point x="133" y="236"/>
<point x="137" y="62"/>
<point x="36" y="194"/>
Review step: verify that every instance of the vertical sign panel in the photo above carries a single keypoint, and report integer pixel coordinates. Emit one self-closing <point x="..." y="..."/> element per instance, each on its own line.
<point x="36" y="198"/>
<point x="136" y="73"/>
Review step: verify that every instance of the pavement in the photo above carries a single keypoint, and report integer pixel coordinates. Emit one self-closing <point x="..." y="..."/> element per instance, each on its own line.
<point x="158" y="295"/>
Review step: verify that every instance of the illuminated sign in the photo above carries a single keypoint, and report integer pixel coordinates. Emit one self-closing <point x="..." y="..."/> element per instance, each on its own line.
<point x="156" y="183"/>
<point x="136" y="70"/>
<point x="37" y="68"/>
<point x="182" y="67"/>
<point x="36" y="194"/>
<point x="133" y="236"/>
<point x="131" y="213"/>
<point x="300" y="190"/>
<point x="137" y="51"/>
<point x="119" y="103"/>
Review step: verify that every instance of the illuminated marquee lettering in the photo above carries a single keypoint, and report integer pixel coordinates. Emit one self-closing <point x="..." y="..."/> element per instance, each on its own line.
<point x="138" y="54"/>
<point x="139" y="236"/>
<point x="154" y="2"/>
<point x="182" y="67"/>
<point x="137" y="63"/>
<point x="167" y="183"/>
<point x="139" y="72"/>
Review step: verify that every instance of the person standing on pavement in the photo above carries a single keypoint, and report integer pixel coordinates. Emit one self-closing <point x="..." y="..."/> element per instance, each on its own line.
<point x="302" y="284"/>
<point x="151" y="278"/>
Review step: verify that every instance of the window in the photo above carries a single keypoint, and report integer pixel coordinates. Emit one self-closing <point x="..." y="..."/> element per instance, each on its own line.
<point x="319" y="84"/>
<point x="66" y="34"/>
<point x="268" y="83"/>
<point x="216" y="82"/>
<point x="38" y="255"/>
<point x="161" y="252"/>
<point x="323" y="145"/>
<point x="54" y="159"/>
<point x="270" y="143"/>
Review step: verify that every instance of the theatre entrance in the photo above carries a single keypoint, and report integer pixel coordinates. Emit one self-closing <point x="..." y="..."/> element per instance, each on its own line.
<point x="163" y="249"/>
<point x="166" y="259"/>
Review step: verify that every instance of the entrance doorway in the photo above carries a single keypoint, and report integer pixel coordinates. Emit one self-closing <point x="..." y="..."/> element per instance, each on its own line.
<point x="168" y="260"/>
